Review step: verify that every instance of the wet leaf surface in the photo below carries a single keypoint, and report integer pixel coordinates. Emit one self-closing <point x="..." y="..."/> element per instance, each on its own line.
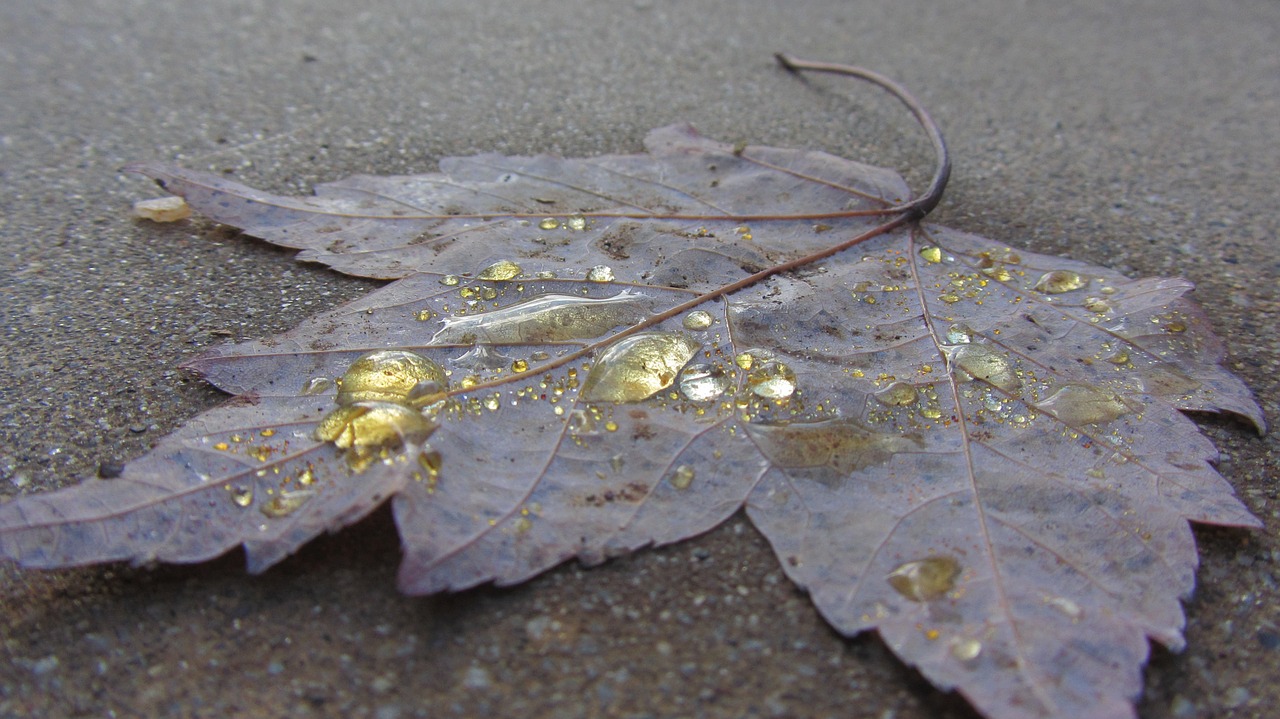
<point x="977" y="451"/>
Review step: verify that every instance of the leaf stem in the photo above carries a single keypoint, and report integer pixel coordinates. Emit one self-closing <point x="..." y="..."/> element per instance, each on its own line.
<point x="921" y="206"/>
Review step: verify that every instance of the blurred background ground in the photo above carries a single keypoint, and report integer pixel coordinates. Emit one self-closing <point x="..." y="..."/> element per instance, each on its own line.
<point x="1138" y="135"/>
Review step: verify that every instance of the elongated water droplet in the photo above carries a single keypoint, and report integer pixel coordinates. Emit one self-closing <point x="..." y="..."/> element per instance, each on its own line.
<point x="703" y="382"/>
<point x="546" y="318"/>
<point x="450" y="280"/>
<point x="549" y="223"/>
<point x="698" y="320"/>
<point x="985" y="363"/>
<point x="1059" y="281"/>
<point x="772" y="380"/>
<point x="393" y="376"/>
<point x="898" y="394"/>
<point x="682" y="477"/>
<point x="1097" y="304"/>
<point x="316" y="385"/>
<point x="600" y="273"/>
<point x="1077" y="404"/>
<point x="500" y="271"/>
<point x="638" y="367"/>
<point x="927" y="579"/>
<point x="285" y="503"/>
<point x="840" y="445"/>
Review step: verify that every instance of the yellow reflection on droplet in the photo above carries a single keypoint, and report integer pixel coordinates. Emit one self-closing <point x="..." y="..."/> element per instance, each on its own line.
<point x="393" y="376"/>
<point x="638" y="367"/>
<point x="1059" y="281"/>
<point x="500" y="271"/>
<point x="927" y="579"/>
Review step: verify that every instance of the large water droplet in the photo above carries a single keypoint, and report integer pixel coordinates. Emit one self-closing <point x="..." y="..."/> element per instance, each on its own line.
<point x="927" y="579"/>
<point x="549" y="223"/>
<point x="638" y="367"/>
<point x="1059" y="281"/>
<point x="698" y="320"/>
<point x="364" y="428"/>
<point x="959" y="334"/>
<point x="600" y="273"/>
<point x="576" y="222"/>
<point x="1077" y="404"/>
<point x="546" y="318"/>
<point x="393" y="376"/>
<point x="931" y="254"/>
<point x="841" y="445"/>
<point x="898" y="394"/>
<point x="702" y="382"/>
<point x="772" y="380"/>
<point x="966" y="649"/>
<point x="500" y="271"/>
<point x="985" y="363"/>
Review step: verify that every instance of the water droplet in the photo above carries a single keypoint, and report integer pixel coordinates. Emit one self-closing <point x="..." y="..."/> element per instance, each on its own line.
<point x="931" y="254"/>
<point x="576" y="222"/>
<point x="600" y="273"/>
<point x="316" y="385"/>
<point x="450" y="280"/>
<point x="984" y="363"/>
<point x="222" y="446"/>
<point x="549" y="223"/>
<point x="702" y="382"/>
<point x="959" y="334"/>
<point x="546" y="318"/>
<point x="997" y="273"/>
<point x="931" y="413"/>
<point x="1097" y="304"/>
<point x="1120" y="356"/>
<point x="285" y="503"/>
<point x="500" y="271"/>
<point x="486" y="293"/>
<point x="393" y="376"/>
<point x="898" y="394"/>
<point x="638" y="367"/>
<point x="682" y="477"/>
<point x="966" y="649"/>
<point x="539" y="356"/>
<point x="1175" y="326"/>
<point x="744" y="360"/>
<point x="1077" y="404"/>
<point x="611" y="426"/>
<point x="1066" y="606"/>
<point x="1059" y="281"/>
<point x="840" y="445"/>
<point x="772" y="380"/>
<point x="364" y="428"/>
<point x="698" y="320"/>
<point x="949" y="298"/>
<point x="925" y="579"/>
<point x="520" y="366"/>
<point x="242" y="496"/>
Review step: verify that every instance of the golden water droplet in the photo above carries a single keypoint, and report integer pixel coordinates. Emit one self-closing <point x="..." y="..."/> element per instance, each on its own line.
<point x="966" y="649"/>
<point x="898" y="394"/>
<point x="241" y="496"/>
<point x="1175" y="326"/>
<point x="959" y="334"/>
<point x="1077" y="404"/>
<point x="367" y="427"/>
<point x="698" y="320"/>
<point x="772" y="380"/>
<point x="500" y="271"/>
<point x="521" y="525"/>
<point x="576" y="222"/>
<point x="306" y="477"/>
<point x="600" y="273"/>
<point x="316" y="385"/>
<point x="997" y="273"/>
<point x="638" y="367"/>
<point x="985" y="363"/>
<point x="744" y="360"/>
<point x="931" y="254"/>
<point x="682" y="477"/>
<point x="1059" y="281"/>
<point x="222" y="446"/>
<point x="1097" y="304"/>
<point x="520" y="366"/>
<point x="611" y="426"/>
<point x="549" y="223"/>
<point x="450" y="280"/>
<point x="703" y="382"/>
<point x="931" y="413"/>
<point x="486" y="293"/>
<point x="393" y="376"/>
<point x="949" y="298"/>
<point x="1120" y="356"/>
<point x="285" y="503"/>
<point x="492" y="403"/>
<point x="546" y="318"/>
<point x="925" y="579"/>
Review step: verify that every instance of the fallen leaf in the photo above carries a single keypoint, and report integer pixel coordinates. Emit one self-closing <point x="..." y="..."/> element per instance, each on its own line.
<point x="974" y="450"/>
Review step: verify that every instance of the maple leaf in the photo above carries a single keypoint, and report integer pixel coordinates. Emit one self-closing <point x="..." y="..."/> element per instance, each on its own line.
<point x="976" y="451"/>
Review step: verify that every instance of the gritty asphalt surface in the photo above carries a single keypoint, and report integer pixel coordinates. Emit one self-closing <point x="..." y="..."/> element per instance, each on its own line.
<point x="1140" y="136"/>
